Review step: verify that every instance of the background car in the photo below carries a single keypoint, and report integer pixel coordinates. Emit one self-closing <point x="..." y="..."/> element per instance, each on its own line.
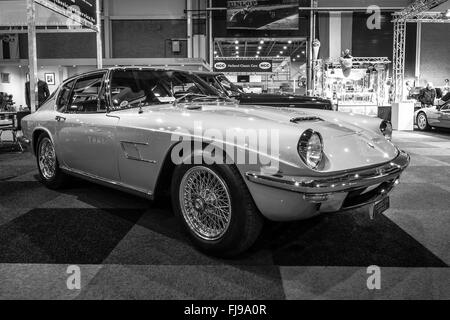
<point x="221" y="83"/>
<point x="435" y="116"/>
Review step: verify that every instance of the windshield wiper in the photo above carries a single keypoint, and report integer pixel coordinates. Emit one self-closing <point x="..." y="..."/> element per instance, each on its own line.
<point x="189" y="95"/>
<point x="210" y="98"/>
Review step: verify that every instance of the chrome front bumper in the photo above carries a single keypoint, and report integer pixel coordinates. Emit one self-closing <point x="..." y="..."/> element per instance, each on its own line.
<point x="338" y="191"/>
<point x="341" y="182"/>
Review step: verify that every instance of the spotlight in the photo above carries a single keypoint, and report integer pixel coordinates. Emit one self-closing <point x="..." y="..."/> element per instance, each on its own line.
<point x="236" y="42"/>
<point x="290" y="41"/>
<point x="281" y="52"/>
<point x="259" y="48"/>
<point x="261" y="42"/>
<point x="298" y="56"/>
<point x="237" y="48"/>
<point x="284" y="47"/>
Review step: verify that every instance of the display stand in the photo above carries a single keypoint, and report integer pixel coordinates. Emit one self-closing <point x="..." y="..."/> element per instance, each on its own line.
<point x="403" y="116"/>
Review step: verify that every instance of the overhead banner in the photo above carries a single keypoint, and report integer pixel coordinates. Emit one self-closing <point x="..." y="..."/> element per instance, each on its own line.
<point x="263" y="14"/>
<point x="83" y="12"/>
<point x="247" y="66"/>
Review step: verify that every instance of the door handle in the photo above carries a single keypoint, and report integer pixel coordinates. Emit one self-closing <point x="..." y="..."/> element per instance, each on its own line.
<point x="59" y="118"/>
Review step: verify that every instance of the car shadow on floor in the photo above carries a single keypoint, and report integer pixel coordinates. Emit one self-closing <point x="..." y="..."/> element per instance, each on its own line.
<point x="100" y="225"/>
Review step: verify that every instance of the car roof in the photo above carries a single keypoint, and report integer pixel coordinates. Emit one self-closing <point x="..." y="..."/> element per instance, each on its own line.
<point x="127" y="68"/>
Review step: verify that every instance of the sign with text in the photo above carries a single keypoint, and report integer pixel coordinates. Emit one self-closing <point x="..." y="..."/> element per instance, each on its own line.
<point x="236" y="65"/>
<point x="83" y="12"/>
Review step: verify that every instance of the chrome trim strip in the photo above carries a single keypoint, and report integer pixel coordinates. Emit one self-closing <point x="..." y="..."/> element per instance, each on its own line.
<point x="108" y="182"/>
<point x="135" y="144"/>
<point x="343" y="182"/>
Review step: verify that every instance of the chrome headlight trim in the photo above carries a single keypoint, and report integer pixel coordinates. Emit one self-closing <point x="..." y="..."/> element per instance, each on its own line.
<point x="310" y="148"/>
<point x="386" y="129"/>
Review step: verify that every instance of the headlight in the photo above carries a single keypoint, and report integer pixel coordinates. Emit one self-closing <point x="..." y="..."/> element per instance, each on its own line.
<point x="310" y="148"/>
<point x="386" y="129"/>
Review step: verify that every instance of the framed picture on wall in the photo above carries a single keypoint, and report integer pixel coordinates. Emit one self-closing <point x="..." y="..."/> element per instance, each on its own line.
<point x="50" y="79"/>
<point x="5" y="78"/>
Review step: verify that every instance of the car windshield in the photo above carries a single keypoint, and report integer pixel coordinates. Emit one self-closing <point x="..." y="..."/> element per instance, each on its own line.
<point x="132" y="88"/>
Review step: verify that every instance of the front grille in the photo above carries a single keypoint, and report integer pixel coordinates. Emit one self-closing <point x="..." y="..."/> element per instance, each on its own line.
<point x="360" y="196"/>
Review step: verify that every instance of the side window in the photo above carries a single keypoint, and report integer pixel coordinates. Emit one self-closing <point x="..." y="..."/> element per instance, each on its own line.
<point x="64" y="95"/>
<point x="125" y="90"/>
<point x="87" y="96"/>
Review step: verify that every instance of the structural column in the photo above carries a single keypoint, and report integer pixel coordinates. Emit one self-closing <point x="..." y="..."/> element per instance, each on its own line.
<point x="99" y="36"/>
<point x="32" y="54"/>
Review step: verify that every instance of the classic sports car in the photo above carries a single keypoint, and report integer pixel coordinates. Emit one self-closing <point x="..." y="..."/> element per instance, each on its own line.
<point x="156" y="132"/>
<point x="220" y="82"/>
<point x="435" y="116"/>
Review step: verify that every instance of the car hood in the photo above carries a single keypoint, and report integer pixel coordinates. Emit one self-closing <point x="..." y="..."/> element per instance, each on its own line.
<point x="349" y="141"/>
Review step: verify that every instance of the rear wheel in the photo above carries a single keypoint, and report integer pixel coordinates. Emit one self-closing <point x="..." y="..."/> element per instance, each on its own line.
<point x="216" y="208"/>
<point x="49" y="172"/>
<point x="422" y="122"/>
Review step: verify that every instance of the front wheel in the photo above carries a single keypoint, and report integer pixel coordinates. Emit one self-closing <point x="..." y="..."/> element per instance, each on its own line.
<point x="49" y="172"/>
<point x="216" y="208"/>
<point x="422" y="122"/>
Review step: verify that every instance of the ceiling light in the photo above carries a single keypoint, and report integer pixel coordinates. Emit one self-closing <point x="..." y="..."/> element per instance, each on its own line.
<point x="293" y="59"/>
<point x="298" y="56"/>
<point x="278" y="55"/>
<point x="258" y="52"/>
<point x="237" y="48"/>
<point x="281" y="52"/>
<point x="236" y="42"/>
<point x="215" y="52"/>
<point x="262" y="42"/>
<point x="284" y="47"/>
<point x="303" y="52"/>
<point x="256" y="56"/>
<point x="290" y="41"/>
<point x="259" y="48"/>
<point x="447" y="13"/>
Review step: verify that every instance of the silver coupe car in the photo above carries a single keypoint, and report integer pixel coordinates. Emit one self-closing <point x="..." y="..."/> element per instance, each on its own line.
<point x="226" y="167"/>
<point x="433" y="116"/>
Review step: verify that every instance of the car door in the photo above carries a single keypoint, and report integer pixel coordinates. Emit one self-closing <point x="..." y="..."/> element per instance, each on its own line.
<point x="86" y="134"/>
<point x="444" y="116"/>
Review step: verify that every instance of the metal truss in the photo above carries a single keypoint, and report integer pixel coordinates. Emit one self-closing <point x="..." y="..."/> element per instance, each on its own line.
<point x="416" y="8"/>
<point x="414" y="13"/>
<point x="399" y="60"/>
<point x="426" y="17"/>
<point x="359" y="61"/>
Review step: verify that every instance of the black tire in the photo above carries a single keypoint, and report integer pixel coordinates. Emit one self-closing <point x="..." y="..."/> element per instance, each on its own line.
<point x="245" y="221"/>
<point x="58" y="179"/>
<point x="422" y="122"/>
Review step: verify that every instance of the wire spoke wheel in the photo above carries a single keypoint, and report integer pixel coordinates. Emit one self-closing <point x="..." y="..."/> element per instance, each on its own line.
<point x="205" y="203"/>
<point x="47" y="159"/>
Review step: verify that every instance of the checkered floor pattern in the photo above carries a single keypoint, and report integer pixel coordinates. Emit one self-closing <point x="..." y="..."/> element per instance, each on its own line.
<point x="129" y="248"/>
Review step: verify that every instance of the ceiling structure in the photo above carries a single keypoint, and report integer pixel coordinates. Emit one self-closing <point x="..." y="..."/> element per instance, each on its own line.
<point x="261" y="48"/>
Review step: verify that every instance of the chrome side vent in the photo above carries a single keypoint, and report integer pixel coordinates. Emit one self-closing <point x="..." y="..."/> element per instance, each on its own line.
<point x="306" y="118"/>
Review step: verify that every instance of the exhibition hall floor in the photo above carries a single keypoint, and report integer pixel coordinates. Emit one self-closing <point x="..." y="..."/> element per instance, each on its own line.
<point x="129" y="248"/>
